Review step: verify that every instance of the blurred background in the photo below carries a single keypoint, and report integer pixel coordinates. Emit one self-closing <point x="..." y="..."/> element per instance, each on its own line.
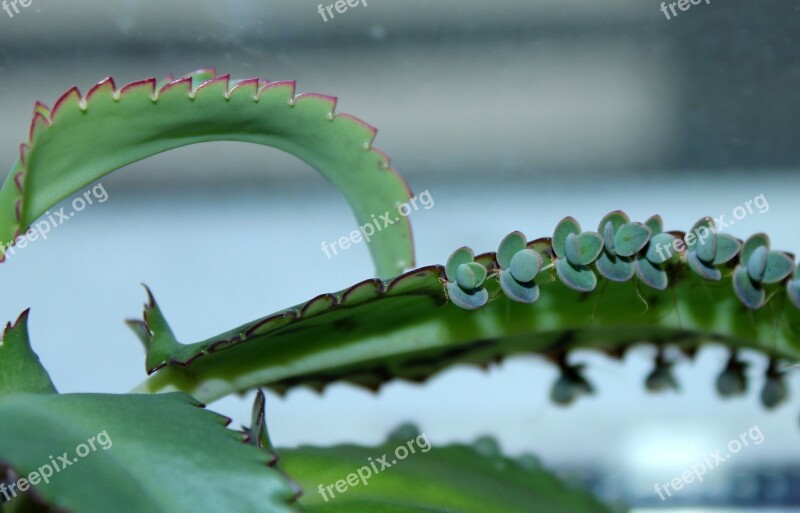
<point x="511" y="114"/>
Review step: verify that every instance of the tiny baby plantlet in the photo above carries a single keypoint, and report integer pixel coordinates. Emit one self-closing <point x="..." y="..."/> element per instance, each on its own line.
<point x="605" y="290"/>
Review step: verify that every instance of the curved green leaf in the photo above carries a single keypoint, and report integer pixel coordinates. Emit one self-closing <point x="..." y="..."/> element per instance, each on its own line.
<point x="410" y="328"/>
<point x="84" y="138"/>
<point x="448" y="479"/>
<point x="134" y="454"/>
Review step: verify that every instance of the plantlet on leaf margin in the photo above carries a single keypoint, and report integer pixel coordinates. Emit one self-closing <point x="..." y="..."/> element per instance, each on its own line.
<point x="575" y="251"/>
<point x="706" y="249"/>
<point x="758" y="266"/>
<point x="465" y="279"/>
<point x="622" y="241"/>
<point x="399" y="327"/>
<point x="519" y="267"/>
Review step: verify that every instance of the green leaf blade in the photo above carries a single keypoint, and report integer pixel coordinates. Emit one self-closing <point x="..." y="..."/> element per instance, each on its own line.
<point x="153" y="454"/>
<point x="20" y="368"/>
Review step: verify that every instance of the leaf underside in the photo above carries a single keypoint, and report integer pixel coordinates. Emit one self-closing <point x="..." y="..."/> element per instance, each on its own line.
<point x="446" y="479"/>
<point x="84" y="138"/>
<point x="164" y="455"/>
<point x="406" y="328"/>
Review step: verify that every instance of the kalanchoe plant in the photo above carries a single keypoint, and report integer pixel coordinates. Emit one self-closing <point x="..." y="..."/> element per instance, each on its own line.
<point x="575" y="250"/>
<point x="541" y="296"/>
<point x="465" y="279"/>
<point x="623" y="240"/>
<point x="652" y="259"/>
<point x="706" y="249"/>
<point x="519" y="266"/>
<point x="758" y="266"/>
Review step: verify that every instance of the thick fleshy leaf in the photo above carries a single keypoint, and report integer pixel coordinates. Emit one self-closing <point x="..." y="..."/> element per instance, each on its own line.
<point x="651" y="275"/>
<point x="135" y="454"/>
<point x="607" y="232"/>
<point x="418" y="477"/>
<point x="20" y="368"/>
<point x="661" y="248"/>
<point x="466" y="300"/>
<point x="85" y="137"/>
<point x="631" y="238"/>
<point x="525" y="265"/>
<point x="512" y="244"/>
<point x="615" y="268"/>
<point x="470" y="276"/>
<point x="748" y="292"/>
<point x="413" y="312"/>
<point x="706" y="247"/>
<point x="572" y="249"/>
<point x="793" y="290"/>
<point x="702" y="229"/>
<point x="656" y="224"/>
<point x="702" y="269"/>
<point x="779" y="266"/>
<point x="727" y="248"/>
<point x="591" y="245"/>
<point x="757" y="263"/>
<point x="581" y="279"/>
<point x="519" y="292"/>
<point x="617" y="218"/>
<point x="563" y="229"/>
<point x="460" y="256"/>
<point x="751" y="244"/>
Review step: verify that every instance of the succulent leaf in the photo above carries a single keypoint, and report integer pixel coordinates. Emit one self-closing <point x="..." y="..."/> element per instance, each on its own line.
<point x="517" y="291"/>
<point x="751" y="245"/>
<point x="650" y="274"/>
<point x="85" y="138"/>
<point x="20" y="368"/>
<point x="748" y="292"/>
<point x="525" y="265"/>
<point x="778" y="267"/>
<point x="702" y="269"/>
<point x="656" y="224"/>
<point x="591" y="245"/>
<point x="567" y="226"/>
<point x="457" y="258"/>
<point x="153" y="453"/>
<point x="661" y="249"/>
<point x="615" y="268"/>
<point x="512" y="244"/>
<point x="727" y="248"/>
<point x="631" y="238"/>
<point x="757" y="263"/>
<point x="410" y="315"/>
<point x="466" y="300"/>
<point x="470" y="276"/>
<point x="434" y="478"/>
<point x="580" y="278"/>
<point x="572" y="249"/>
